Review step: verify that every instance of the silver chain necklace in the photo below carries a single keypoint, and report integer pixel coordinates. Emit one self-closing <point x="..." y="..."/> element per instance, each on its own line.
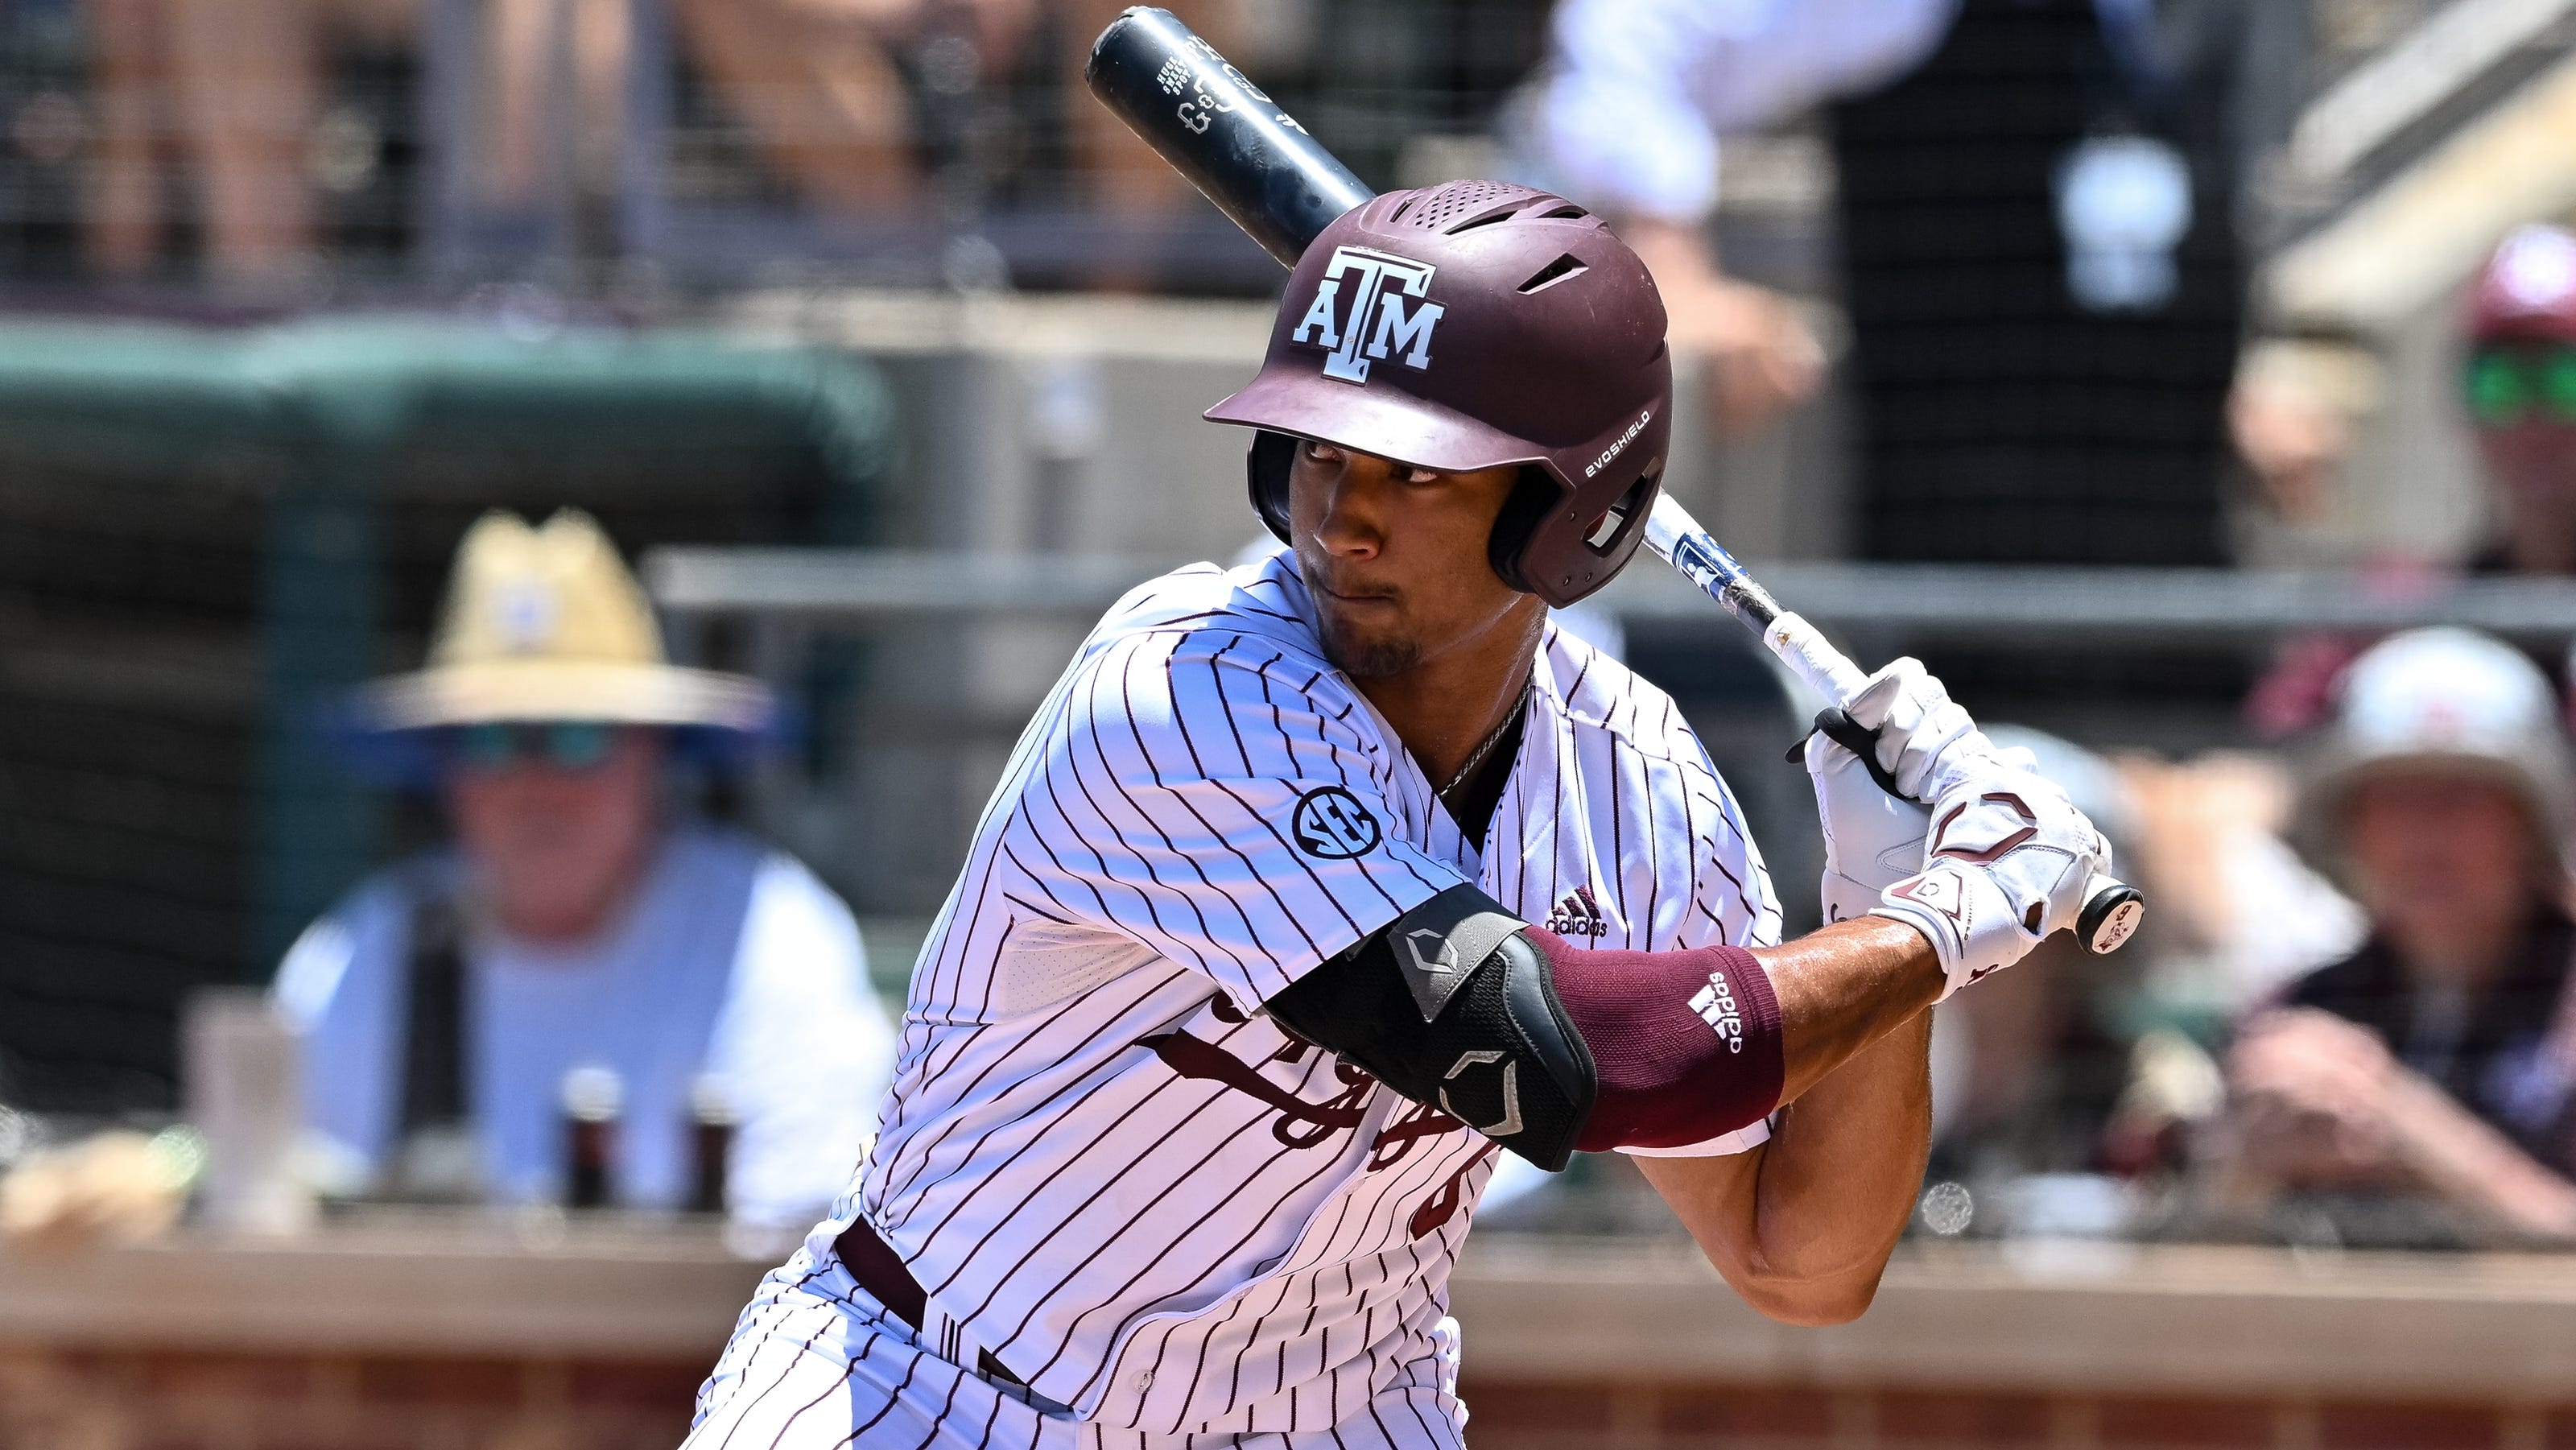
<point x="1485" y="746"/>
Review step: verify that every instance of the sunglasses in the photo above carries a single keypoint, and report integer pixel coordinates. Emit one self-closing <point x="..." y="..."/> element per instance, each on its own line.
<point x="2507" y="386"/>
<point x="563" y="744"/>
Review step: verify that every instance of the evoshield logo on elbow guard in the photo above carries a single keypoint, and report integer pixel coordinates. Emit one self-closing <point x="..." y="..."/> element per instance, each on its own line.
<point x="1443" y="958"/>
<point x="1715" y="1004"/>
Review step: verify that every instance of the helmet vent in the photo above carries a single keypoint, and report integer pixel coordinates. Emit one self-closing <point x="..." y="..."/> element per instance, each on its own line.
<point x="1436" y="209"/>
<point x="1612" y="526"/>
<point x="1567" y="212"/>
<point x="1554" y="272"/>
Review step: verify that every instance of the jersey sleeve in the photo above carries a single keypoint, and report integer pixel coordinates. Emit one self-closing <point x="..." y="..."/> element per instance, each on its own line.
<point x="1221" y="802"/>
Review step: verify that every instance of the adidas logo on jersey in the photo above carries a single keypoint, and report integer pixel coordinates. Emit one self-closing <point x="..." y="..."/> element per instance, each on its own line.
<point x="1715" y="1004"/>
<point x="1578" y="915"/>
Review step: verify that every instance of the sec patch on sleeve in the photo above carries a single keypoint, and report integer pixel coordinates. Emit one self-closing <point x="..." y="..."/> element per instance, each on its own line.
<point x="1331" y="823"/>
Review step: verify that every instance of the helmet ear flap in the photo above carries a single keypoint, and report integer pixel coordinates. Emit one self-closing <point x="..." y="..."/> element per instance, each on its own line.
<point x="1265" y="468"/>
<point x="1533" y="494"/>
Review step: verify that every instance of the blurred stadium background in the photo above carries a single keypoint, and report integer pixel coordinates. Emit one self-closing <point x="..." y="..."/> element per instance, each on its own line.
<point x="884" y="363"/>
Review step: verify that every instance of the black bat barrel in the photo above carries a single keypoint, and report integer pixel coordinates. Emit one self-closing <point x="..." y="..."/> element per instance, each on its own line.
<point x="1220" y="130"/>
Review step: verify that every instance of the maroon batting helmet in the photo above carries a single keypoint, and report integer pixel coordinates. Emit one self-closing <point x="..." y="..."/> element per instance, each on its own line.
<point x="1468" y="326"/>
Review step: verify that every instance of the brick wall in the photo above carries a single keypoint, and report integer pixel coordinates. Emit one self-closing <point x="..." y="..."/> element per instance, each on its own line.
<point x="1596" y="1416"/>
<point x="55" y="1400"/>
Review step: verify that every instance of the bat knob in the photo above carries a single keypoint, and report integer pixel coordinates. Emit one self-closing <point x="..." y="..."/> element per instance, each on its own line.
<point x="2110" y="916"/>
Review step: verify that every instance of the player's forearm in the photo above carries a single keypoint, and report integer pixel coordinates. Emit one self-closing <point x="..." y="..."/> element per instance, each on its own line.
<point x="1847" y="1151"/>
<point x="1841" y="989"/>
<point x="1803" y="1226"/>
<point x="1845" y="1162"/>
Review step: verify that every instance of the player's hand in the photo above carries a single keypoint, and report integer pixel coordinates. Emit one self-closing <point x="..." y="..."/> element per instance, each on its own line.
<point x="1872" y="839"/>
<point x="1923" y="736"/>
<point x="2008" y="862"/>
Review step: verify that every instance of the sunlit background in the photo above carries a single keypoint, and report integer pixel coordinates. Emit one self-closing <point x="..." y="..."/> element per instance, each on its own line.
<point x="2138" y="364"/>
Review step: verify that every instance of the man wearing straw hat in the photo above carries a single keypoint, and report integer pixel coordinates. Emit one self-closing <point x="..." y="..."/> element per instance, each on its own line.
<point x="576" y="931"/>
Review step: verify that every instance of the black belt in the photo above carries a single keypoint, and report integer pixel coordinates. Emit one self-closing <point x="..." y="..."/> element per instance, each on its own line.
<point x="881" y="1271"/>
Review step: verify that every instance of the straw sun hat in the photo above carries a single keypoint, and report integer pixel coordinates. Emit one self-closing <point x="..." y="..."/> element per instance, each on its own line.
<point x="547" y="624"/>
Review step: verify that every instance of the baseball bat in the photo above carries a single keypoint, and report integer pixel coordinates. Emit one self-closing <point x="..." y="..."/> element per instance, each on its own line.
<point x="1215" y="127"/>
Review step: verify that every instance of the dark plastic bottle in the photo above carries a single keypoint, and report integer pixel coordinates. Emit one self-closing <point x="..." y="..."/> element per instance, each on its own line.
<point x="592" y="1099"/>
<point x="711" y="1124"/>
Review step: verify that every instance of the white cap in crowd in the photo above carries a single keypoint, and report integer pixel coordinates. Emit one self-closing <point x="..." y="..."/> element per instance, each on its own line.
<point x="2443" y="700"/>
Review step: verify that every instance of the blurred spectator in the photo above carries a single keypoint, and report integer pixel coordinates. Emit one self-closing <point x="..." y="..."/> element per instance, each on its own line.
<point x="1630" y="116"/>
<point x="823" y="86"/>
<point x="2439" y="1058"/>
<point x="2238" y="914"/>
<point x="235" y="89"/>
<point x="2518" y="388"/>
<point x="236" y="83"/>
<point x="818" y="84"/>
<point x="2048" y="231"/>
<point x="2248" y="915"/>
<point x="2518" y="398"/>
<point x="574" y="925"/>
<point x="2043" y="224"/>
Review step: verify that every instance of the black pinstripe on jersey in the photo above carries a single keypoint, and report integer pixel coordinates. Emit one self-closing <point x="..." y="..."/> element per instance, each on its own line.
<point x="1146" y="1199"/>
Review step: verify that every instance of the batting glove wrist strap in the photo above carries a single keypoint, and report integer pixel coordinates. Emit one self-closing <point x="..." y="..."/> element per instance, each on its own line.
<point x="1872" y="839"/>
<point x="2009" y="861"/>
<point x="1966" y="917"/>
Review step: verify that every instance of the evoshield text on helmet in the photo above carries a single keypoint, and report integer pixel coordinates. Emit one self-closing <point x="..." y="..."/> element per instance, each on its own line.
<point x="1474" y="325"/>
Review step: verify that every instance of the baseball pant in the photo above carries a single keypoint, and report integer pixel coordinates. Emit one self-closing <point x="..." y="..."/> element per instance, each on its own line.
<point x="821" y="1365"/>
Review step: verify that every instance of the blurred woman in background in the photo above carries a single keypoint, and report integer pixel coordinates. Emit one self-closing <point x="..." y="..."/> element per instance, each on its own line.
<point x="2438" y="1059"/>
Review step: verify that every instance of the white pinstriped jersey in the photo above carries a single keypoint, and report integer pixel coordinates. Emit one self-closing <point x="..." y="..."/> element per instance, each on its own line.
<point x="1107" y="1167"/>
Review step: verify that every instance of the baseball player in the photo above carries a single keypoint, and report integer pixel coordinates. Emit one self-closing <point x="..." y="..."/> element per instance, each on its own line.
<point x="1315" y="885"/>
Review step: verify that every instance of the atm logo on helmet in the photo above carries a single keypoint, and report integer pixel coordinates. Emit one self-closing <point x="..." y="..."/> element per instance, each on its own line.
<point x="1374" y="323"/>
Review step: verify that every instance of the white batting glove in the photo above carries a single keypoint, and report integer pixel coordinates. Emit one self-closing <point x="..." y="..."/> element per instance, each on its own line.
<point x="1922" y="733"/>
<point x="1872" y="839"/>
<point x="2008" y="863"/>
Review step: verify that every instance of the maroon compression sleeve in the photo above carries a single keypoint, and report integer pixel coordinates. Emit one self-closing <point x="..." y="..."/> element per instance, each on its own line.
<point x="1686" y="1043"/>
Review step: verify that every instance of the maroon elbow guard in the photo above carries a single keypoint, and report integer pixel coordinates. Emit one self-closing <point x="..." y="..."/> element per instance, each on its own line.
<point x="1686" y="1043"/>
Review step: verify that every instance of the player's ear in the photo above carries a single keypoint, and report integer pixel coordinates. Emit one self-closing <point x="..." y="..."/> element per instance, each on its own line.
<point x="1533" y="493"/>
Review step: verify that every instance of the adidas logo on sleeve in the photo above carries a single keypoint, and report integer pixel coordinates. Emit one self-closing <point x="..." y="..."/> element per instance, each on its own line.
<point x="1715" y="1004"/>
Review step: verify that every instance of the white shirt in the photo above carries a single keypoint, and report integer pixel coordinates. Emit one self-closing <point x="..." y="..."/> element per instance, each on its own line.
<point x="1104" y="1163"/>
<point x="1638" y="91"/>
<point x="732" y="960"/>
